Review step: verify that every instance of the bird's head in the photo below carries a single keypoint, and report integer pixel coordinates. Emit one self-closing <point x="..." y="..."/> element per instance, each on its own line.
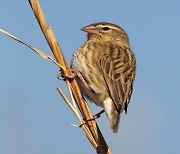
<point x="106" y="31"/>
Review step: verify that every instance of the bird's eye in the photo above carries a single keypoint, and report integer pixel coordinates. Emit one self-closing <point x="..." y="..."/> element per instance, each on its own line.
<point x="105" y="28"/>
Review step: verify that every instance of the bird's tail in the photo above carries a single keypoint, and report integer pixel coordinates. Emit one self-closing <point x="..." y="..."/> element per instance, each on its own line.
<point x="114" y="121"/>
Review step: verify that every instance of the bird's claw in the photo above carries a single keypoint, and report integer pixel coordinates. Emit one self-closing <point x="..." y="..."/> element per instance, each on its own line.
<point x="63" y="76"/>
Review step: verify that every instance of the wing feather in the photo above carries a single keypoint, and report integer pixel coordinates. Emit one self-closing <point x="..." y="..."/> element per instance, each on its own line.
<point x="118" y="69"/>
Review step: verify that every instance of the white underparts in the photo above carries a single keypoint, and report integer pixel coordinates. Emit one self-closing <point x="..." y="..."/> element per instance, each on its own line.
<point x="108" y="107"/>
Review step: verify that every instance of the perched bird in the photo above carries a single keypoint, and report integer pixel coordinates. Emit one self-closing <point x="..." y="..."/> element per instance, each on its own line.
<point x="108" y="67"/>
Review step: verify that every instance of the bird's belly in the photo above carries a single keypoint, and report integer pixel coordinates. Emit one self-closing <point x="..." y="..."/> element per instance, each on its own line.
<point x="93" y="96"/>
<point x="97" y="91"/>
<point x="76" y="63"/>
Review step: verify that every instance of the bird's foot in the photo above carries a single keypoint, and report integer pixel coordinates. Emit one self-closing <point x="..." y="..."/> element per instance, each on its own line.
<point x="74" y="74"/>
<point x="63" y="76"/>
<point x="96" y="116"/>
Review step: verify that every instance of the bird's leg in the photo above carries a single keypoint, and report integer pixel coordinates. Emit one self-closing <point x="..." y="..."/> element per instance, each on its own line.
<point x="71" y="77"/>
<point x="86" y="85"/>
<point x="96" y="116"/>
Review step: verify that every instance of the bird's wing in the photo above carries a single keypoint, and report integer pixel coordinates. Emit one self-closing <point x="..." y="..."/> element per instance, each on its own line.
<point x="118" y="69"/>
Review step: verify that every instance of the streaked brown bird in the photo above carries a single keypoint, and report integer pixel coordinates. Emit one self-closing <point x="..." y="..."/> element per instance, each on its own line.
<point x="108" y="67"/>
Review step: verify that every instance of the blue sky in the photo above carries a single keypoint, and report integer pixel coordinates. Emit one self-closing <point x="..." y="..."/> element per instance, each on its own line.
<point x="33" y="117"/>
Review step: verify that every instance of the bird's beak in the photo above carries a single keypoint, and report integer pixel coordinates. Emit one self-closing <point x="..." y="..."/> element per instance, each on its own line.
<point x="90" y="29"/>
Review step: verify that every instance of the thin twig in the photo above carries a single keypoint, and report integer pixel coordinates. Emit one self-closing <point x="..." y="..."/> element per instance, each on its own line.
<point x="42" y="54"/>
<point x="70" y="105"/>
<point x="71" y="95"/>
<point x="82" y="122"/>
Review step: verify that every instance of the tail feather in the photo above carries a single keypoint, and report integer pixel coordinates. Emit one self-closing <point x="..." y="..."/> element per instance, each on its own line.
<point x="114" y="121"/>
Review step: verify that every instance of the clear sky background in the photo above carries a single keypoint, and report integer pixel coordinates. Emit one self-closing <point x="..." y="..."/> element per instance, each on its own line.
<point x="33" y="117"/>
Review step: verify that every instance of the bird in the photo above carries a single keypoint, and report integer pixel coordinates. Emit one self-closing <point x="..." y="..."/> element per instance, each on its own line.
<point x="107" y="66"/>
